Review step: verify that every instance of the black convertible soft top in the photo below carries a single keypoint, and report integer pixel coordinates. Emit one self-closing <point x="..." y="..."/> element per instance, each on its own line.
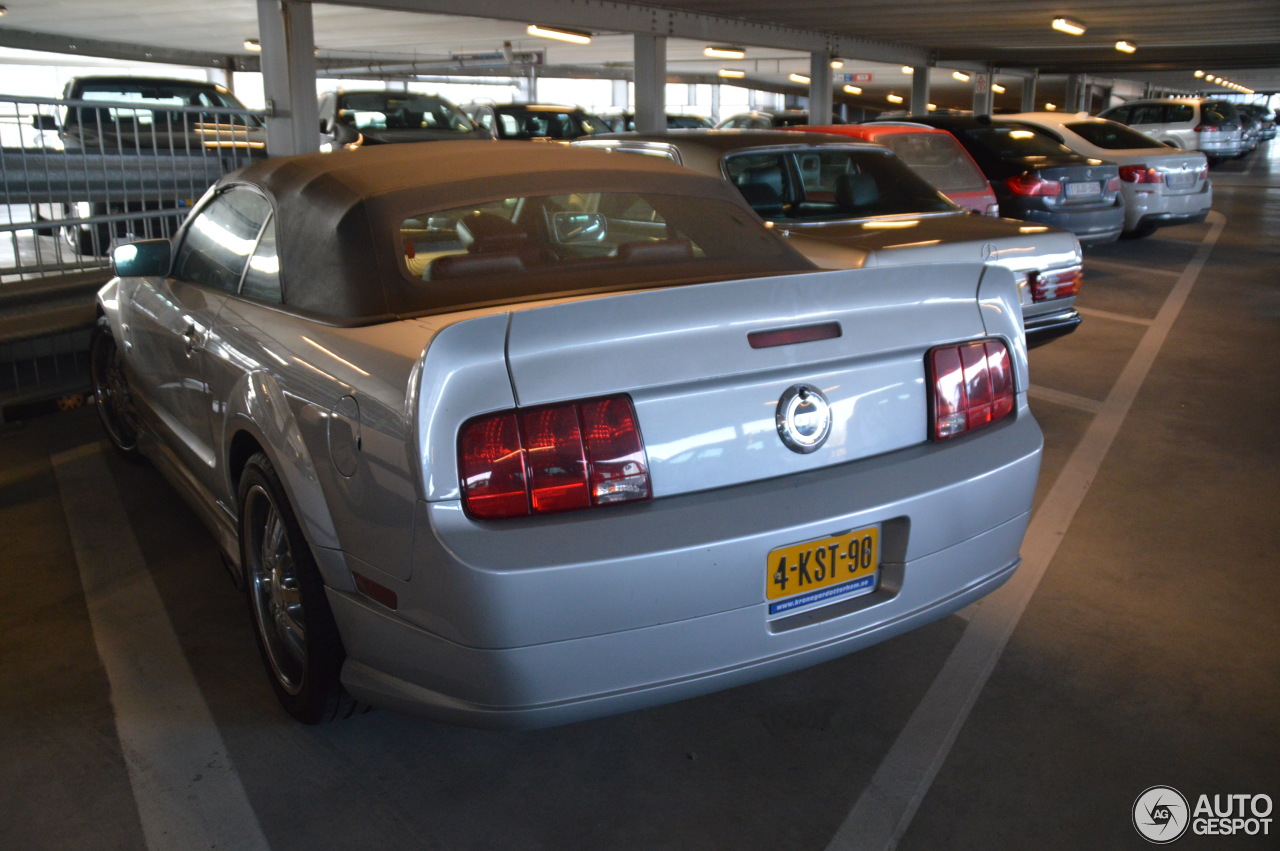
<point x="339" y="215"/>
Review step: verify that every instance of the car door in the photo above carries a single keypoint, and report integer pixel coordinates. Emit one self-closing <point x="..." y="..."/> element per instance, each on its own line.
<point x="173" y="318"/>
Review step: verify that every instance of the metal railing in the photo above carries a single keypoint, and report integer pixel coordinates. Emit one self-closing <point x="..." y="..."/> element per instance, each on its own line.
<point x="76" y="177"/>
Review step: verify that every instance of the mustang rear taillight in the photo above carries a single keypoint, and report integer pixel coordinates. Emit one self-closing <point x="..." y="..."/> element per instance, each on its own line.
<point x="1060" y="283"/>
<point x="552" y="458"/>
<point x="1140" y="174"/>
<point x="1031" y="184"/>
<point x="972" y="387"/>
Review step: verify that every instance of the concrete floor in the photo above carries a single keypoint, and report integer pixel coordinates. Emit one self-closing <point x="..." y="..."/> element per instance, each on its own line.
<point x="1138" y="646"/>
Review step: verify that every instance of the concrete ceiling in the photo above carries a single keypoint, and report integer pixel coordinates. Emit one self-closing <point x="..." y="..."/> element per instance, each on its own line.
<point x="1237" y="39"/>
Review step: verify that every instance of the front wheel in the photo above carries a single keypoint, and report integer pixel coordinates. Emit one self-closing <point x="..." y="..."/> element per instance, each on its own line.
<point x="111" y="391"/>
<point x="291" y="618"/>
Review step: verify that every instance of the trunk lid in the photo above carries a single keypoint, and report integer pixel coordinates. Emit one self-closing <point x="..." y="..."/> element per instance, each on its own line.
<point x="707" y="401"/>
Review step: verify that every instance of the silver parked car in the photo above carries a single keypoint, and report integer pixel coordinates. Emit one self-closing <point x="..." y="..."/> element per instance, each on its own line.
<point x="849" y="204"/>
<point x="1161" y="186"/>
<point x="1208" y="125"/>
<point x="512" y="435"/>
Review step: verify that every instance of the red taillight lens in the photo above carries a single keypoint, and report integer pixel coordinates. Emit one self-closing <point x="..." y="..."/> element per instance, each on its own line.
<point x="491" y="464"/>
<point x="1060" y="283"/>
<point x="1029" y="183"/>
<point x="972" y="386"/>
<point x="553" y="458"/>
<point x="1206" y="128"/>
<point x="1140" y="174"/>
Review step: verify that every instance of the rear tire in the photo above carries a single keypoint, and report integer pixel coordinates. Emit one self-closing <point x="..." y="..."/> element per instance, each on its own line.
<point x="111" y="393"/>
<point x="291" y="618"/>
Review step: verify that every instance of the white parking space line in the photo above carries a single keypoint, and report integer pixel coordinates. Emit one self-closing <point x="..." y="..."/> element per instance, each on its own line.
<point x="1091" y="262"/>
<point x="1070" y="400"/>
<point x="884" y="811"/>
<point x="187" y="791"/>
<point x="1115" y="317"/>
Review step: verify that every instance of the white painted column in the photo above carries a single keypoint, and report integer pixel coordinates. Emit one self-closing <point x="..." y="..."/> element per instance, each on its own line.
<point x="289" y="76"/>
<point x="651" y="82"/>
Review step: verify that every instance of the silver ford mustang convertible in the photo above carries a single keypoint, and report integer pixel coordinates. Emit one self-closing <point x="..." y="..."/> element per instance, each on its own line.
<point x="512" y="435"/>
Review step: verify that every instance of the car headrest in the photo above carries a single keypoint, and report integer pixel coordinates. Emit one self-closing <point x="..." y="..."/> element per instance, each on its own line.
<point x="484" y="232"/>
<point x="856" y="190"/>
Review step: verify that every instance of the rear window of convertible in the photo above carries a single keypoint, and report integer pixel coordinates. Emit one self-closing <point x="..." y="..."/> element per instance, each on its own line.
<point x="554" y="244"/>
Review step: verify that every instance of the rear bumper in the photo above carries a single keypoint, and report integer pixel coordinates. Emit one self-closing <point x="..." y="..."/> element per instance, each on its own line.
<point x="1089" y="226"/>
<point x="1145" y="210"/>
<point x="649" y="606"/>
<point x="1051" y="326"/>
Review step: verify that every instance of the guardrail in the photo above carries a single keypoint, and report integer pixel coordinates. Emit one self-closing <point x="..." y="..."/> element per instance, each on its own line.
<point x="77" y="176"/>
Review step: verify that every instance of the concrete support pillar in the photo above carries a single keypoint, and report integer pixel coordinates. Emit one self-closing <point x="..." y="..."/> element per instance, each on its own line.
<point x="651" y="82"/>
<point x="715" y="104"/>
<point x="820" y="88"/>
<point x="1071" y="103"/>
<point x="1029" y="92"/>
<point x="289" y="76"/>
<point x="919" y="91"/>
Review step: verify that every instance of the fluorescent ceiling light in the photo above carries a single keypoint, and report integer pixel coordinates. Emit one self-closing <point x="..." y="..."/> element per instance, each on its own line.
<point x="1198" y="74"/>
<point x="1050" y="107"/>
<point x="252" y="44"/>
<point x="908" y="70"/>
<point x="837" y="63"/>
<point x="572" y="36"/>
<point x="998" y="89"/>
<point x="894" y="98"/>
<point x="853" y="90"/>
<point x="721" y="51"/>
<point x="932" y="107"/>
<point x="960" y="75"/>
<point x="1125" y="47"/>
<point x="733" y="73"/>
<point x="799" y="78"/>
<point x="1069" y="26"/>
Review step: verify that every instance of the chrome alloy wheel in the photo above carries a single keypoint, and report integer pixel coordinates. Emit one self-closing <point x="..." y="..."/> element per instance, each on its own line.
<point x="275" y="592"/>
<point x="111" y="390"/>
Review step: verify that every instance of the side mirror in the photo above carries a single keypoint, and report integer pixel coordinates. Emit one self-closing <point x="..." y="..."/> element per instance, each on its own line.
<point x="44" y="122"/>
<point x="144" y="259"/>
<point x="577" y="228"/>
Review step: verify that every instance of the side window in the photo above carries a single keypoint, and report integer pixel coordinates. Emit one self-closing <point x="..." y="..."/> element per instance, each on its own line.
<point x="221" y="238"/>
<point x="262" y="277"/>
<point x="1181" y="112"/>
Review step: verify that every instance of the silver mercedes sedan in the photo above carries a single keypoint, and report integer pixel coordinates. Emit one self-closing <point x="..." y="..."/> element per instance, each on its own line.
<point x="512" y="435"/>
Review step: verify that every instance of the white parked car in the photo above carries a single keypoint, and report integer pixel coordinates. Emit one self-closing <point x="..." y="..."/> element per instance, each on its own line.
<point x="1161" y="185"/>
<point x="1193" y="124"/>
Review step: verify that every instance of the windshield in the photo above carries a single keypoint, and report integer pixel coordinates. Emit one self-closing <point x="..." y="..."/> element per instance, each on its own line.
<point x="391" y="111"/>
<point x="149" y="94"/>
<point x="938" y="158"/>
<point x="1111" y="135"/>
<point x="521" y="123"/>
<point x="825" y="184"/>
<point x="548" y="245"/>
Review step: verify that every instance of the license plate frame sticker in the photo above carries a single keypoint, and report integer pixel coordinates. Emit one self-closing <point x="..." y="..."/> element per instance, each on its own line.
<point x="802" y="575"/>
<point x="1084" y="189"/>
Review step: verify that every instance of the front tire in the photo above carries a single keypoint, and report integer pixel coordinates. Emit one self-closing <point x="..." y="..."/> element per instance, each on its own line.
<point x="111" y="393"/>
<point x="291" y="618"/>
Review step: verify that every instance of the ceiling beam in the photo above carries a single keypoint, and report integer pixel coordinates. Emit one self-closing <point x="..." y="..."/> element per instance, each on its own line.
<point x="76" y="46"/>
<point x="609" y="16"/>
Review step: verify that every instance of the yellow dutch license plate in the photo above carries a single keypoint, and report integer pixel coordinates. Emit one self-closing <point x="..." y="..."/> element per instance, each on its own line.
<point x="819" y="571"/>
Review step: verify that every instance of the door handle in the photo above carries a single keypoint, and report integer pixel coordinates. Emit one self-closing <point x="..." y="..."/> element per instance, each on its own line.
<point x="191" y="339"/>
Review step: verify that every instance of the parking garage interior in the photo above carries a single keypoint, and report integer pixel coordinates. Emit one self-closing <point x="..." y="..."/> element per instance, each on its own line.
<point x="1136" y="647"/>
